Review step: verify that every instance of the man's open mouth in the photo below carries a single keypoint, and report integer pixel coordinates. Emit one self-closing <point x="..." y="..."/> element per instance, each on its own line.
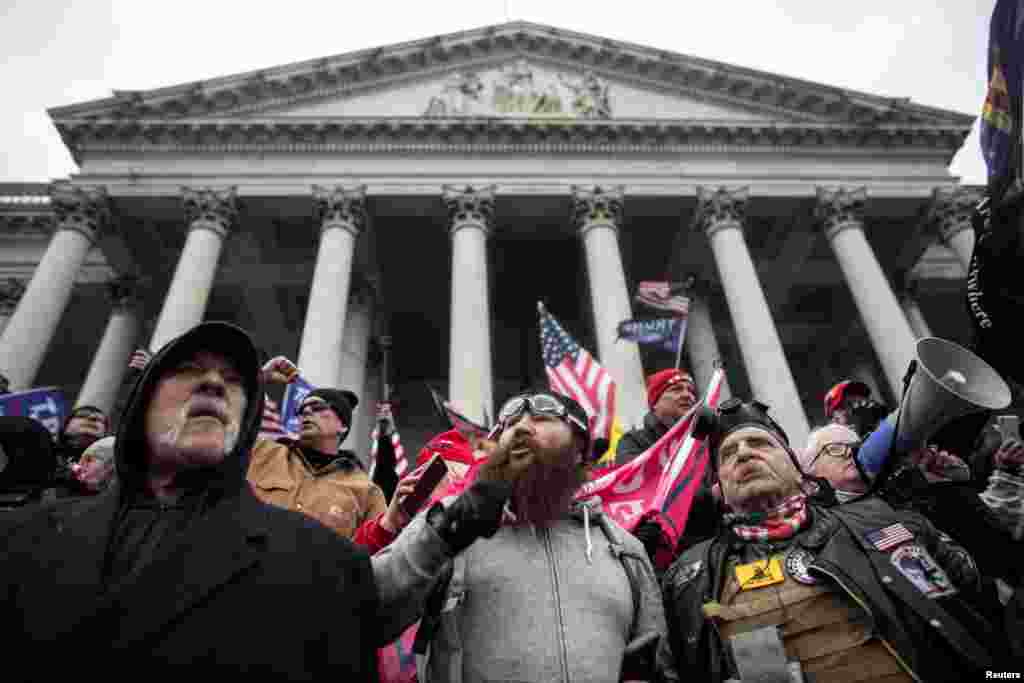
<point x="207" y="407"/>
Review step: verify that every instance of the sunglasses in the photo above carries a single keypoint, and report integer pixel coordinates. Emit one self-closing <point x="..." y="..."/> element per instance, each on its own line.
<point x="540" y="404"/>
<point x="313" y="407"/>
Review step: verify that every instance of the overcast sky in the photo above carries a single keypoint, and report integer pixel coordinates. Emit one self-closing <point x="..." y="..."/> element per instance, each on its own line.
<point x="57" y="53"/>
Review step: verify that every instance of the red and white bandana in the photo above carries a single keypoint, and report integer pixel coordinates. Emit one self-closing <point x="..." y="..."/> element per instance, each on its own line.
<point x="775" y="525"/>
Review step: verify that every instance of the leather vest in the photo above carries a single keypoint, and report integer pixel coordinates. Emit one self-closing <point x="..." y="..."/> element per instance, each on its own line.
<point x="828" y="633"/>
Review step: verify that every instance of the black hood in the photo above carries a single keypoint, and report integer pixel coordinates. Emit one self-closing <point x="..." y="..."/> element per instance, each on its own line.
<point x="227" y="478"/>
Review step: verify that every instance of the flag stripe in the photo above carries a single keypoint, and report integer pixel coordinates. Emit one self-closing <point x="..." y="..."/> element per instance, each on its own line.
<point x="574" y="372"/>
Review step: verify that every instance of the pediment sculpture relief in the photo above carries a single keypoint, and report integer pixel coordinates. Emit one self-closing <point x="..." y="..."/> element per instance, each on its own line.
<point x="520" y="91"/>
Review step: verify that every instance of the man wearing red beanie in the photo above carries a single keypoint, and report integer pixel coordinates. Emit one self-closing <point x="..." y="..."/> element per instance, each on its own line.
<point x="670" y="394"/>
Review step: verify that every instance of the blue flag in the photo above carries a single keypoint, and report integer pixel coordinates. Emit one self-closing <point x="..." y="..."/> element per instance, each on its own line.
<point x="45" y="405"/>
<point x="668" y="333"/>
<point x="1001" y="113"/>
<point x="293" y="396"/>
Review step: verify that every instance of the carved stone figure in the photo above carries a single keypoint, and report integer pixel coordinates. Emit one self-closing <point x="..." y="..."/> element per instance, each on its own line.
<point x="460" y="96"/>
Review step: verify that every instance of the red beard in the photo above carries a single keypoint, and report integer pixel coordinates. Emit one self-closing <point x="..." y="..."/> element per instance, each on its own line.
<point x="544" y="493"/>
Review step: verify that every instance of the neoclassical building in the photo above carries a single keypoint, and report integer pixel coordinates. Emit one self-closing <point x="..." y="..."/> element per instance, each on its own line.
<point x="399" y="211"/>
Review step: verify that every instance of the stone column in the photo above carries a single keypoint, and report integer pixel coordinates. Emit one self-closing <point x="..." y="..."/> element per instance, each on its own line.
<point x="210" y="215"/>
<point x="701" y="344"/>
<point x="840" y="213"/>
<point x="720" y="214"/>
<point x="597" y="215"/>
<point x="950" y="217"/>
<point x="11" y="291"/>
<point x="81" y="213"/>
<point x="369" y="399"/>
<point x="471" y="383"/>
<point x="342" y="216"/>
<point x="110" y="363"/>
<point x="908" y="300"/>
<point x="355" y="351"/>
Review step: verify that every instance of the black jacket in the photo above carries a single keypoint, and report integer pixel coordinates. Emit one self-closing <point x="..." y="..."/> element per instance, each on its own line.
<point x="900" y="613"/>
<point x="246" y="589"/>
<point x="638" y="440"/>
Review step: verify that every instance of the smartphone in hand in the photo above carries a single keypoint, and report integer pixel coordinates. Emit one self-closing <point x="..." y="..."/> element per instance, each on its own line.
<point x="432" y="475"/>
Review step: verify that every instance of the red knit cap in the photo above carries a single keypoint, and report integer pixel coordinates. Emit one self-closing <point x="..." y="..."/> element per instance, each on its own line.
<point x="837" y="394"/>
<point x="660" y="381"/>
<point x="452" y="446"/>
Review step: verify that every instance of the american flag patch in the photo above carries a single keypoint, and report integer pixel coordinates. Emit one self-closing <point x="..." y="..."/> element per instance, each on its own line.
<point x="889" y="537"/>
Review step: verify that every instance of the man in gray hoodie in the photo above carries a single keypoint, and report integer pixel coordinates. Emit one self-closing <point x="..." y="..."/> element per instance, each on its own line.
<point x="559" y="592"/>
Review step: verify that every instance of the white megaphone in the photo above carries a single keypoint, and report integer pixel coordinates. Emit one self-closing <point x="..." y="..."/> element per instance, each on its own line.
<point x="948" y="382"/>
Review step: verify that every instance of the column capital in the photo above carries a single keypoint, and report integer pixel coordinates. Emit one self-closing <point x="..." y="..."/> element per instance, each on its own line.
<point x="597" y="206"/>
<point x="951" y="210"/>
<point x="11" y="291"/>
<point x="341" y="207"/>
<point x="85" y="210"/>
<point x="839" y="209"/>
<point x="720" y="208"/>
<point x="124" y="292"/>
<point x="469" y="207"/>
<point x="210" y="209"/>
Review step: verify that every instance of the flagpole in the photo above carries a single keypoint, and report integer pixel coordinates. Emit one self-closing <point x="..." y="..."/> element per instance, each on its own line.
<point x="679" y="345"/>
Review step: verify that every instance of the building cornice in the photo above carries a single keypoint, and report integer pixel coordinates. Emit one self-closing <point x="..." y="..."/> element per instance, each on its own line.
<point x="310" y="135"/>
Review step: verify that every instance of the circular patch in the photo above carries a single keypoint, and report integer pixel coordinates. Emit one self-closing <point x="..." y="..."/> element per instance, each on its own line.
<point x="797" y="562"/>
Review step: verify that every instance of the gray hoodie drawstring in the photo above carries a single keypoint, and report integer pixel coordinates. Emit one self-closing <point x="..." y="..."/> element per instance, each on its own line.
<point x="586" y="532"/>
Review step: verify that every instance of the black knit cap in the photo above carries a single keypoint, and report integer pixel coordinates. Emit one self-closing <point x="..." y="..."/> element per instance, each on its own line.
<point x="341" y="401"/>
<point x="732" y="415"/>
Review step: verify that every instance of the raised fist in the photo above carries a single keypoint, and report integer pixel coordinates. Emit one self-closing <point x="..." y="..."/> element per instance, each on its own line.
<point x="280" y="370"/>
<point x="140" y="359"/>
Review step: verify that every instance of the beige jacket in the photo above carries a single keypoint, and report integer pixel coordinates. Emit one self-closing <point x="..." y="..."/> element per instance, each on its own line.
<point x="340" y="496"/>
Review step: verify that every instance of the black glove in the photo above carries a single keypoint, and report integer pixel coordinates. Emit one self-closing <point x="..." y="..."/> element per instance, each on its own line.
<point x="475" y="513"/>
<point x="649" y="533"/>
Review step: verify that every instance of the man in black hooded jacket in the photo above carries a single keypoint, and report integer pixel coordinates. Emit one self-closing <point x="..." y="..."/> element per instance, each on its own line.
<point x="177" y="567"/>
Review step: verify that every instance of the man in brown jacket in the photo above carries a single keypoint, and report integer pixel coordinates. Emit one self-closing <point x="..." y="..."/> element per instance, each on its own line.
<point x="315" y="476"/>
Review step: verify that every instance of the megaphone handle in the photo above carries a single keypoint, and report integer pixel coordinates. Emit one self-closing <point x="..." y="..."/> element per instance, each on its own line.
<point x="883" y="474"/>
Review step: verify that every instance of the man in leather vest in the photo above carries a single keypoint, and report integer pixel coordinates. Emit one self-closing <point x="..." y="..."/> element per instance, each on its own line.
<point x="852" y="592"/>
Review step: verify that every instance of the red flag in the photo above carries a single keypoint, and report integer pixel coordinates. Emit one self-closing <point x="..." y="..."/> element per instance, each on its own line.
<point x="663" y="478"/>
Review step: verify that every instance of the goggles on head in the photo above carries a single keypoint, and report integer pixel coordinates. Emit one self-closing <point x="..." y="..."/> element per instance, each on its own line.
<point x="715" y="424"/>
<point x="542" y="404"/>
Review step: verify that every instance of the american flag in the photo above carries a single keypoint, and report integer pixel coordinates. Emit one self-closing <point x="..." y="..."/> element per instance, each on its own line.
<point x="401" y="464"/>
<point x="572" y="371"/>
<point x="889" y="537"/>
<point x="271" y="426"/>
<point x="664" y="296"/>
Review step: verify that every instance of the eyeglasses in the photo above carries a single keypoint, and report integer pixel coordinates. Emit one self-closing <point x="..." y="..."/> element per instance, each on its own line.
<point x="313" y="407"/>
<point x="539" y="404"/>
<point x="838" y="450"/>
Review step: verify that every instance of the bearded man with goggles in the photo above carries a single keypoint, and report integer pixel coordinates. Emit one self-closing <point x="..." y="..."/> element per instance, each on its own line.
<point x="558" y="591"/>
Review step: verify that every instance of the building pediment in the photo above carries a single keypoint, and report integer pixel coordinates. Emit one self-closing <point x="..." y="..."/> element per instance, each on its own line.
<point x="518" y="87"/>
<point x="514" y="69"/>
